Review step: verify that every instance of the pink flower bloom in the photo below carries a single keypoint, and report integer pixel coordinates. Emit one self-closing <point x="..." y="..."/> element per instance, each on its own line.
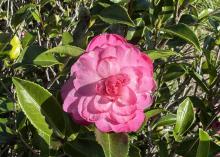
<point x="110" y="85"/>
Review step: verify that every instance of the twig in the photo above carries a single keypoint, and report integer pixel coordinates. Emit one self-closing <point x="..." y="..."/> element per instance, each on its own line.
<point x="27" y="145"/>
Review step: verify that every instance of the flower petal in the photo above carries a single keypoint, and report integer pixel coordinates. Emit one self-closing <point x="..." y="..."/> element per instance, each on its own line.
<point x="70" y="101"/>
<point x="122" y="109"/>
<point x="136" y="123"/>
<point x="87" y="111"/>
<point x="112" y="39"/>
<point x="85" y="70"/>
<point x="144" y="101"/>
<point x="128" y="97"/>
<point x="103" y="125"/>
<point x="102" y="104"/>
<point x="119" y="118"/>
<point x="107" y="67"/>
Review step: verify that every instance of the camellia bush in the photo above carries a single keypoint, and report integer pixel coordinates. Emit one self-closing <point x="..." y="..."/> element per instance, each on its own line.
<point x="110" y="78"/>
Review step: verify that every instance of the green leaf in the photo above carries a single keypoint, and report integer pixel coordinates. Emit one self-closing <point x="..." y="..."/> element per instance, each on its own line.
<point x="36" y="15"/>
<point x="83" y="148"/>
<point x="134" y="151"/>
<point x="6" y="105"/>
<point x="153" y="112"/>
<point x="204" y="13"/>
<point x="45" y="60"/>
<point x="184" y="118"/>
<point x="67" y="50"/>
<point x="184" y="32"/>
<point x="204" y="144"/>
<point x="180" y="2"/>
<point x="173" y="71"/>
<point x="22" y="14"/>
<point x="67" y="38"/>
<point x="114" y="145"/>
<point x="32" y="55"/>
<point x="117" y="1"/>
<point x="44" y="142"/>
<point x="40" y="107"/>
<point x="28" y="39"/>
<point x="115" y="14"/>
<point x="161" y="54"/>
<point x="168" y="119"/>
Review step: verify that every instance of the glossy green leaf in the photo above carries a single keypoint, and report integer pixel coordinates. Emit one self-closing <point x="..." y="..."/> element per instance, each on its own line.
<point x="153" y="112"/>
<point x="83" y="148"/>
<point x="184" y="118"/>
<point x="67" y="50"/>
<point x="114" y="145"/>
<point x="204" y="13"/>
<point x="161" y="54"/>
<point x="173" y="71"/>
<point x="6" y="105"/>
<point x="32" y="55"/>
<point x="183" y="31"/>
<point x="116" y="1"/>
<point x="115" y="14"/>
<point x="44" y="142"/>
<point x="22" y="14"/>
<point x="45" y="60"/>
<point x="40" y="107"/>
<point x="28" y="39"/>
<point x="67" y="38"/>
<point x="204" y="144"/>
<point x="36" y="15"/>
<point x="135" y="33"/>
<point x="168" y="119"/>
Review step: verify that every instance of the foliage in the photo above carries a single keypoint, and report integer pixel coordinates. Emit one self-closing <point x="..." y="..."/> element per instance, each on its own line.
<point x="40" y="40"/>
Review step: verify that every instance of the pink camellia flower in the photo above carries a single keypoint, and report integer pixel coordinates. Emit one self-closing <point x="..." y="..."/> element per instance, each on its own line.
<point x="110" y="85"/>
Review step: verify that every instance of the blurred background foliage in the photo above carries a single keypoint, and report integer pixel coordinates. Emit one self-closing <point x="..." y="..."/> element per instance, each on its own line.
<point x="41" y="39"/>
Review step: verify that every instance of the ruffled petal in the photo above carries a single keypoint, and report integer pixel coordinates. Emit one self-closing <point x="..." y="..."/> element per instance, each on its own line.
<point x="127" y="97"/>
<point x="128" y="55"/>
<point x="85" y="70"/>
<point x="132" y="125"/>
<point x="144" y="101"/>
<point x="103" y="125"/>
<point x="123" y="110"/>
<point x="140" y="79"/>
<point x="67" y="93"/>
<point x="112" y="39"/>
<point x="87" y="111"/>
<point x="70" y="101"/>
<point x="119" y="118"/>
<point x="108" y="51"/>
<point x="120" y="128"/>
<point x="102" y="104"/>
<point x="147" y="84"/>
<point x="107" y="67"/>
<point x="137" y="121"/>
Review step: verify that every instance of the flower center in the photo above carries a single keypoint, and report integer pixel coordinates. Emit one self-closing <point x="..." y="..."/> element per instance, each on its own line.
<point x="112" y="85"/>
